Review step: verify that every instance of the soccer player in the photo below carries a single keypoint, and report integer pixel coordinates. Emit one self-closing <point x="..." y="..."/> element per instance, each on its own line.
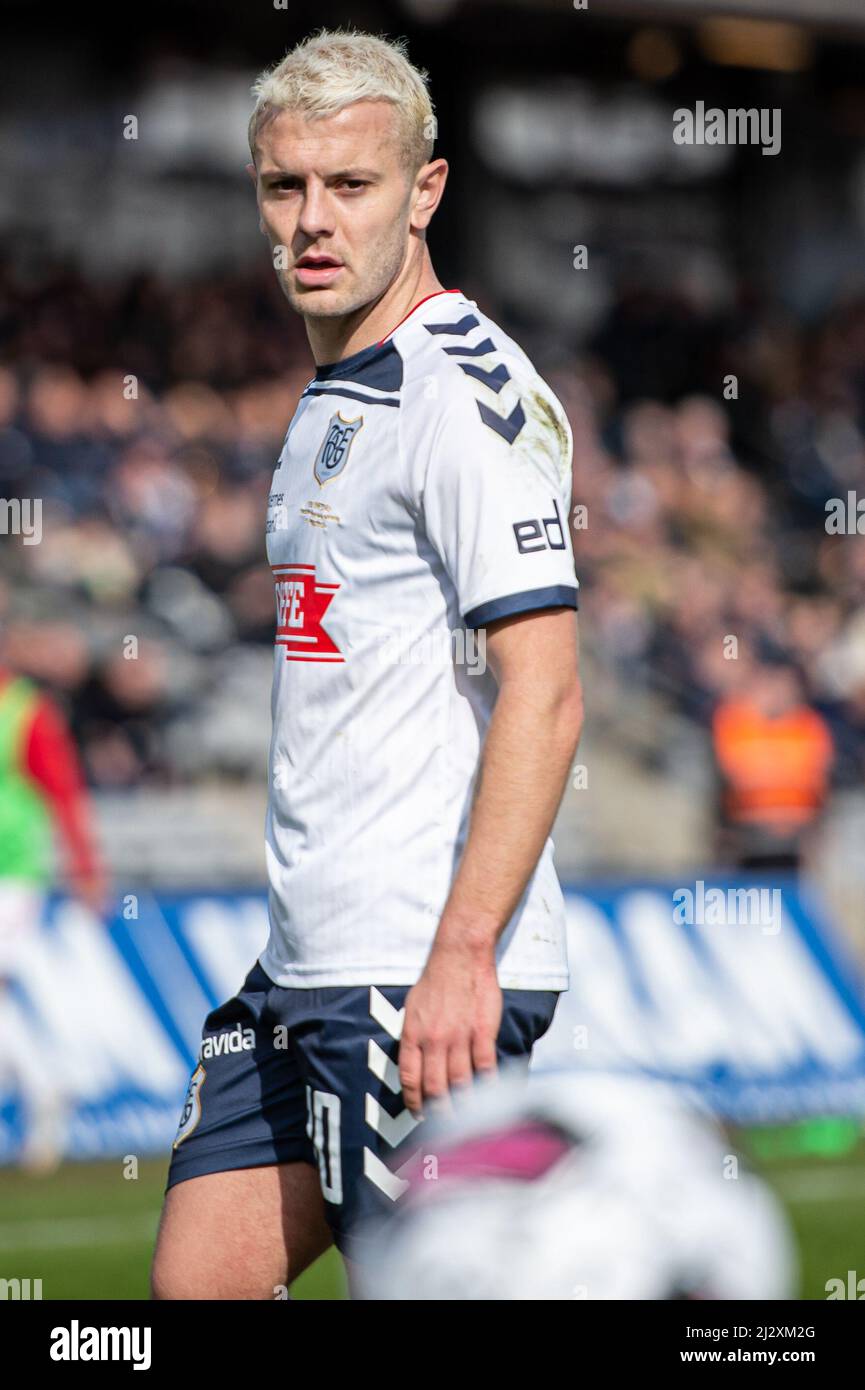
<point x="426" y="705"/>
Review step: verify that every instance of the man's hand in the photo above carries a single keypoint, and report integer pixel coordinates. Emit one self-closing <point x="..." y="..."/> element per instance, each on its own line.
<point x="452" y="1019"/>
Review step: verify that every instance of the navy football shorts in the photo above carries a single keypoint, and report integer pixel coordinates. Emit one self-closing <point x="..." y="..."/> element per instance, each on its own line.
<point x="310" y="1075"/>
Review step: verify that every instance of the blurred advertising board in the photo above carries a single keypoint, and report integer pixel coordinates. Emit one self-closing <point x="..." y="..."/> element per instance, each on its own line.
<point x="748" y="1002"/>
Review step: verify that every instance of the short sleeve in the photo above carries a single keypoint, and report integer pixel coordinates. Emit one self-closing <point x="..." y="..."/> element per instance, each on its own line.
<point x="496" y="504"/>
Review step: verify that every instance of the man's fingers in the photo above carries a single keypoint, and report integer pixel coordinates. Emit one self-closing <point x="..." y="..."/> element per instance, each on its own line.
<point x="459" y="1065"/>
<point x="434" y="1083"/>
<point x="411" y="1074"/>
<point x="430" y="1068"/>
<point x="484" y="1053"/>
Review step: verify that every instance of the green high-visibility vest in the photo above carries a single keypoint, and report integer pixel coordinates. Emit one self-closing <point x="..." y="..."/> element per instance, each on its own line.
<point x="25" y="821"/>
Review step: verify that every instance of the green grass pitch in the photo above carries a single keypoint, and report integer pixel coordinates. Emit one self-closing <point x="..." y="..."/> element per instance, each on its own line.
<point x="87" y="1231"/>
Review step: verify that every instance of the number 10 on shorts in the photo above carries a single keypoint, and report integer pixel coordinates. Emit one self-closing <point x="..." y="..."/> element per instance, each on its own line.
<point x="322" y="1127"/>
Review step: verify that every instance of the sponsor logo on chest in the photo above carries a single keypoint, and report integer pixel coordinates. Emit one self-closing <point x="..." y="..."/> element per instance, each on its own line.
<point x="301" y="602"/>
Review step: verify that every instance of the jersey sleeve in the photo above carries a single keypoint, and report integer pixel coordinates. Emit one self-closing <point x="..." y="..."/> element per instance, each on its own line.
<point x="51" y="760"/>
<point x="496" y="503"/>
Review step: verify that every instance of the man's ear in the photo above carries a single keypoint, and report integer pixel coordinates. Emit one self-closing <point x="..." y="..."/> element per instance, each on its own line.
<point x="429" y="187"/>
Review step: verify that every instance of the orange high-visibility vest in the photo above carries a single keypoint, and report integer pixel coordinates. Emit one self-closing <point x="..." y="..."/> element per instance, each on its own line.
<point x="776" y="770"/>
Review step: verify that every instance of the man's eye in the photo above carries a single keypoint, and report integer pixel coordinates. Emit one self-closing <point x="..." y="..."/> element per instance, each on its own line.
<point x="354" y="183"/>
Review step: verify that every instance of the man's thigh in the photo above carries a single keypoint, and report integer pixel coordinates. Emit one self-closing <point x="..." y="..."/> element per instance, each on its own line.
<point x="245" y="1233"/>
<point x="243" y="1209"/>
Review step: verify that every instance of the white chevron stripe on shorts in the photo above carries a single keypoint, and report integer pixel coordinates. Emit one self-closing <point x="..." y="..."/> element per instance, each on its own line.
<point x="393" y="1129"/>
<point x="382" y="1067"/>
<point x="384" y="1013"/>
<point x="378" y="1173"/>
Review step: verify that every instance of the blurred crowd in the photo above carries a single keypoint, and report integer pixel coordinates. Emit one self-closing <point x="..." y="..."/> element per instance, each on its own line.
<point x="147" y="416"/>
<point x="710" y="574"/>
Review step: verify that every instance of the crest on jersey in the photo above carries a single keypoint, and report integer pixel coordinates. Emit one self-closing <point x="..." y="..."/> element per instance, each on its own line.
<point x="333" y="454"/>
<point x="191" y="1106"/>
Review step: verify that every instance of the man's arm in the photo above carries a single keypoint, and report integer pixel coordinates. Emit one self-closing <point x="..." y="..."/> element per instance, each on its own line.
<point x="453" y="1013"/>
<point x="52" y="761"/>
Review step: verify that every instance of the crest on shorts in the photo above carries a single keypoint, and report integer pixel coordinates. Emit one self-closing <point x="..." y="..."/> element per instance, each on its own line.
<point x="191" y="1106"/>
<point x="333" y="454"/>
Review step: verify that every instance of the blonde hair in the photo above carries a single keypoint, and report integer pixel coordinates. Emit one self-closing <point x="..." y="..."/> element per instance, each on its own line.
<point x="334" y="68"/>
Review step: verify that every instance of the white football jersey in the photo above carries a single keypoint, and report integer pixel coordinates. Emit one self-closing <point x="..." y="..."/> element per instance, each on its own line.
<point x="423" y="491"/>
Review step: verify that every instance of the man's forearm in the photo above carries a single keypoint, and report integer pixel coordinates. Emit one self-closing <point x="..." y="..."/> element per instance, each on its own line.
<point x="529" y="748"/>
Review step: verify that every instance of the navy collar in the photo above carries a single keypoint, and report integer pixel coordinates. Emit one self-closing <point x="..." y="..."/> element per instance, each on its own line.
<point x="354" y="365"/>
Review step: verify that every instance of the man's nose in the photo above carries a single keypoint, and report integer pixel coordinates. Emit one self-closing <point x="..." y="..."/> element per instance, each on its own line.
<point x="316" y="215"/>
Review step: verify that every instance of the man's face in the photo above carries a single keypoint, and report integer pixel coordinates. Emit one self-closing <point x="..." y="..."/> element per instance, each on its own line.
<point x="336" y="195"/>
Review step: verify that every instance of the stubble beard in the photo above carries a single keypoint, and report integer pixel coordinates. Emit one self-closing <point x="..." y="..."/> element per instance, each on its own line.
<point x="334" y="304"/>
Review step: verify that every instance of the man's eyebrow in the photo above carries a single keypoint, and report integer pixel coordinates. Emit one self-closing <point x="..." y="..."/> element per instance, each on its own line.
<point x="275" y="173"/>
<point x="355" y="174"/>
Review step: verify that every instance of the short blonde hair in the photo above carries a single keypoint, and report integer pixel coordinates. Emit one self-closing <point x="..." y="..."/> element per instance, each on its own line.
<point x="334" y="68"/>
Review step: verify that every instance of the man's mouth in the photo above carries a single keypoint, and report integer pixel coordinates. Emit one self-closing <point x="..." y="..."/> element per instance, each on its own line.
<point x="316" y="269"/>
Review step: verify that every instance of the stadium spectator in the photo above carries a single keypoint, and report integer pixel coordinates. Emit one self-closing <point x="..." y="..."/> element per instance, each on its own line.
<point x="774" y="756"/>
<point x="41" y="789"/>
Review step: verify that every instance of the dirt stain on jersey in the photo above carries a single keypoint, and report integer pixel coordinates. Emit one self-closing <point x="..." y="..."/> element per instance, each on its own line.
<point x="542" y="412"/>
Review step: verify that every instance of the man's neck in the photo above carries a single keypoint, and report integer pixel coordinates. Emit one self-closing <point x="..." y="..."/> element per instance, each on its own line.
<point x="333" y="339"/>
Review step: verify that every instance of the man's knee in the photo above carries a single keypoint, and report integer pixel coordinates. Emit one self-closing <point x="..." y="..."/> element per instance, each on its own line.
<point x="174" y="1278"/>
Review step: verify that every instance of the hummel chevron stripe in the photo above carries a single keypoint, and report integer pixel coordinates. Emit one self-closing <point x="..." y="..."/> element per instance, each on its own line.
<point x="382" y="1067"/>
<point x="393" y="1129"/>
<point x="384" y="1013"/>
<point x="509" y="427"/>
<point x="378" y="1173"/>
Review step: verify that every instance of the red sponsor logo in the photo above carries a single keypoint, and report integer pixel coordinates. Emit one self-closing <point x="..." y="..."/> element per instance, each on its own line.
<point x="301" y="603"/>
